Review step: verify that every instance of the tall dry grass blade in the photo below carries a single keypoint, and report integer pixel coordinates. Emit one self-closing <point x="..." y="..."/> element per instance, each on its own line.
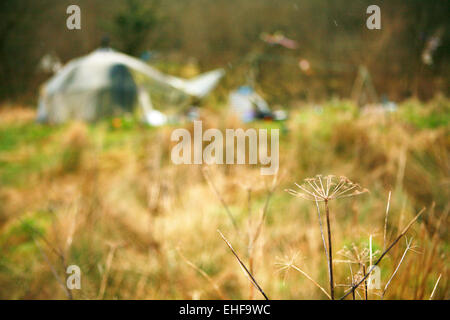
<point x="435" y="286"/>
<point x="386" y="220"/>
<point x="432" y="254"/>
<point x="252" y="279"/>
<point x="311" y="279"/>
<point x="408" y="247"/>
<point x="103" y="283"/>
<point x="383" y="254"/>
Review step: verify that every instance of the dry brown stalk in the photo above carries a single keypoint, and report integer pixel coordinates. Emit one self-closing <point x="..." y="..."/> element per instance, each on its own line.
<point x="252" y="279"/>
<point x="435" y="286"/>
<point x="290" y="264"/>
<point x="109" y="259"/>
<point x="330" y="250"/>
<point x="408" y="247"/>
<point x="386" y="220"/>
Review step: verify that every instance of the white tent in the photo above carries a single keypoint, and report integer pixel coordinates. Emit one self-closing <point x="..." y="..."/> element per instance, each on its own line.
<point x="103" y="84"/>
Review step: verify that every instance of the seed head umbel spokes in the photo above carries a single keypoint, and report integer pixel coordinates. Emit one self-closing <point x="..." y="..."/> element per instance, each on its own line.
<point x="326" y="188"/>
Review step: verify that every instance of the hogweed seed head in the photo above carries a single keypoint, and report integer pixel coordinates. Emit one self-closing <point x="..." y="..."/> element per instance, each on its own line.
<point x="326" y="188"/>
<point x="356" y="254"/>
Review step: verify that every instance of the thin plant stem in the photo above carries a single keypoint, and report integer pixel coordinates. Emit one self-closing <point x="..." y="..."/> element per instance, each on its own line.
<point x="395" y="271"/>
<point x="103" y="283"/>
<point x="330" y="251"/>
<point x="386" y="220"/>
<point x="311" y="279"/>
<point x="252" y="279"/>
<point x="365" y="282"/>
<point x="351" y="274"/>
<point x="321" y="232"/>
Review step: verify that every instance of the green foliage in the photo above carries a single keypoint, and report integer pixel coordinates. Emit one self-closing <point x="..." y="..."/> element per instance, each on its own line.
<point x="13" y="136"/>
<point x="19" y="237"/>
<point x="18" y="172"/>
<point x="132" y="26"/>
<point x="27" y="139"/>
<point x="432" y="115"/>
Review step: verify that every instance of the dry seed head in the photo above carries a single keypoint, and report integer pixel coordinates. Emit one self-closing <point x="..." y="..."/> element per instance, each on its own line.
<point x="326" y="188"/>
<point x="356" y="255"/>
<point x="287" y="262"/>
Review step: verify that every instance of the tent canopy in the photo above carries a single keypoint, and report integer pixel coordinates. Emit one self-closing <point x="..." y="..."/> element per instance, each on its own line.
<point x="102" y="84"/>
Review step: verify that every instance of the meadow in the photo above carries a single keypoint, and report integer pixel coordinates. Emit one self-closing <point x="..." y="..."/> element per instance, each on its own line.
<point x="107" y="197"/>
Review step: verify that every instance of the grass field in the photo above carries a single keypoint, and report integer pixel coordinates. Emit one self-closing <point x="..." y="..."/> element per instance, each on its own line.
<point x="107" y="198"/>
